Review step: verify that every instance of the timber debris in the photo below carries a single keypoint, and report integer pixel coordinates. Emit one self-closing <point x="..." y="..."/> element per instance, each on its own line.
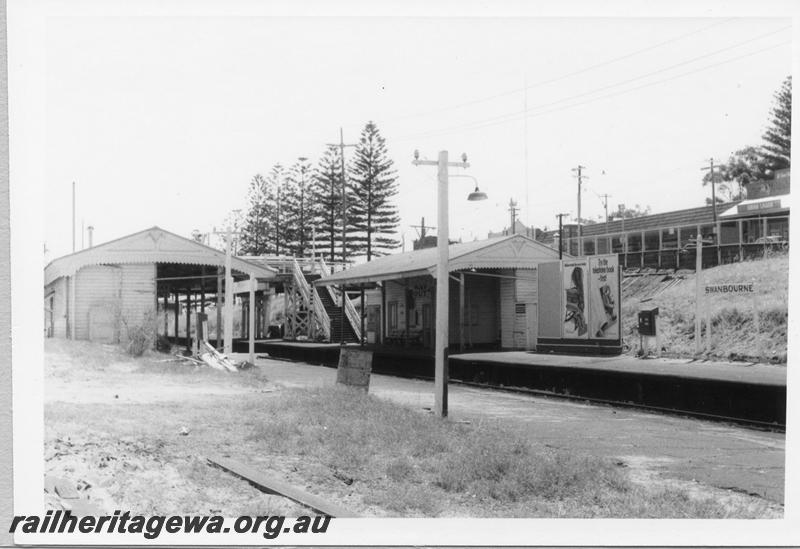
<point x="275" y="486"/>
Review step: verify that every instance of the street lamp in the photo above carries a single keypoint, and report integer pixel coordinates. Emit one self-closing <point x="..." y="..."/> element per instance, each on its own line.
<point x="475" y="195"/>
<point x="443" y="273"/>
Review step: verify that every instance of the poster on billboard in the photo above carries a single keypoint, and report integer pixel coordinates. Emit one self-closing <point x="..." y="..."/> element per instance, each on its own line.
<point x="604" y="297"/>
<point x="574" y="281"/>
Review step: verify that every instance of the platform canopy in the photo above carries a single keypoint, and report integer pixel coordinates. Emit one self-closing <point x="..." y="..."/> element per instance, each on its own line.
<point x="154" y="245"/>
<point x="505" y="252"/>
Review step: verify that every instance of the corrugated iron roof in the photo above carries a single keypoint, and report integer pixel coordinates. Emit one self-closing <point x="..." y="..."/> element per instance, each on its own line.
<point x="505" y="252"/>
<point x="153" y="245"/>
<point x="690" y="216"/>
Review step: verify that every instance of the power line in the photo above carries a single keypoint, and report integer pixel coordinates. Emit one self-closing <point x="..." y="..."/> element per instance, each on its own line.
<point x="515" y="115"/>
<point x="568" y="75"/>
<point x="512" y="117"/>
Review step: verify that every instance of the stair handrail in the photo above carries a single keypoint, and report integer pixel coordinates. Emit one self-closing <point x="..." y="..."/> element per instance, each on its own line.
<point x="320" y="323"/>
<point x="352" y="316"/>
<point x="302" y="283"/>
<point x="323" y="266"/>
<point x="349" y="309"/>
<point x="321" y="319"/>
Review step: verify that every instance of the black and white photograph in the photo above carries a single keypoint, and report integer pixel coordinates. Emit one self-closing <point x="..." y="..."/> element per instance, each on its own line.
<point x="304" y="270"/>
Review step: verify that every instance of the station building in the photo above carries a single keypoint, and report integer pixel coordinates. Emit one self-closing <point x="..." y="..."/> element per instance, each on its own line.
<point x="494" y="301"/>
<point x="94" y="293"/>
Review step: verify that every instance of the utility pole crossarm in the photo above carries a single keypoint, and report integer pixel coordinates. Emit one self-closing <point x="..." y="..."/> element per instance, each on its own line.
<point x="435" y="163"/>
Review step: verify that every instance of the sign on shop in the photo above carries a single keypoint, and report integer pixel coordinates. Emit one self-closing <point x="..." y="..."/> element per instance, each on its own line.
<point x="767" y="205"/>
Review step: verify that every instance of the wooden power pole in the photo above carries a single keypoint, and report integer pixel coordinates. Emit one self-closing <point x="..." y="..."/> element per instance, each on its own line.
<point x="560" y="235"/>
<point x="579" y="175"/>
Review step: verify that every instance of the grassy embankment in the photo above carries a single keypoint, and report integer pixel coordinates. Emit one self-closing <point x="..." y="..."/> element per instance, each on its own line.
<point x="124" y="431"/>
<point x="733" y="327"/>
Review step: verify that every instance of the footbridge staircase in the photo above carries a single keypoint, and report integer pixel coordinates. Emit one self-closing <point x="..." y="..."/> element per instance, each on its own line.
<point x="314" y="313"/>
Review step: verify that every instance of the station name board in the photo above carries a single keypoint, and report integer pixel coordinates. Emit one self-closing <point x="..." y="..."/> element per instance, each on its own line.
<point x="733" y="288"/>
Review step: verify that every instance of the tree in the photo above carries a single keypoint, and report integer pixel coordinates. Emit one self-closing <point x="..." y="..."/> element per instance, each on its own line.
<point x="743" y="166"/>
<point x="326" y="191"/>
<point x="235" y="221"/>
<point x="758" y="163"/>
<point x="277" y="187"/>
<point x="257" y="231"/>
<point x="197" y="236"/>
<point x="297" y="207"/>
<point x="629" y="213"/>
<point x="372" y="214"/>
<point x="777" y="150"/>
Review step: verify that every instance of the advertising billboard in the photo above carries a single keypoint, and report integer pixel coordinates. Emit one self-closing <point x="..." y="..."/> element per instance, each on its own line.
<point x="604" y="297"/>
<point x="574" y="284"/>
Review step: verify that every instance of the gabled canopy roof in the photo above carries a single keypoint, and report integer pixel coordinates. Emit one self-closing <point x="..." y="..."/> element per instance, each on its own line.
<point x="505" y="252"/>
<point x="154" y="245"/>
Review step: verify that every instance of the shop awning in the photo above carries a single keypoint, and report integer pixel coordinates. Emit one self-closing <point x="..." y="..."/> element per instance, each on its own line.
<point x="755" y="206"/>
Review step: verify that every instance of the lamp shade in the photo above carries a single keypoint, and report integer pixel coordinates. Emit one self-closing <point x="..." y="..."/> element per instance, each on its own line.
<point x="476" y="195"/>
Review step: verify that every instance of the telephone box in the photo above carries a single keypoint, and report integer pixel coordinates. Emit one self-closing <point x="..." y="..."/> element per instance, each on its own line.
<point x="647" y="322"/>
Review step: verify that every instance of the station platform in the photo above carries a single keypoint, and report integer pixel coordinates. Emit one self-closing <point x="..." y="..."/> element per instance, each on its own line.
<point x="753" y="393"/>
<point x="742" y="372"/>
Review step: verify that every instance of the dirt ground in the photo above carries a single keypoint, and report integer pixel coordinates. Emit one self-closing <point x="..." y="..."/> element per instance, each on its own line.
<point x="134" y="434"/>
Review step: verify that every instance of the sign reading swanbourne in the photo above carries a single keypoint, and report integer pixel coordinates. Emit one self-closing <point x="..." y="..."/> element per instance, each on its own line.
<point x="731" y="288"/>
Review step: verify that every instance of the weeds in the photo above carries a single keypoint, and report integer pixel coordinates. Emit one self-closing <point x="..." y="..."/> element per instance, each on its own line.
<point x="735" y="332"/>
<point x="139" y="336"/>
<point x="375" y="456"/>
<point x="408" y="463"/>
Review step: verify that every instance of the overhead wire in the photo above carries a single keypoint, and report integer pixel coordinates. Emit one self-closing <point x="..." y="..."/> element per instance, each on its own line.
<point x="568" y="75"/>
<point x="518" y="115"/>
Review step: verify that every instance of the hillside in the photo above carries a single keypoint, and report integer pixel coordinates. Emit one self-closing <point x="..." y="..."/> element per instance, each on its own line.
<point x="733" y="330"/>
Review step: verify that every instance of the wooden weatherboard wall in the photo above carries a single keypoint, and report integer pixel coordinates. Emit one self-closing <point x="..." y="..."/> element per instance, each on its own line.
<point x="138" y="292"/>
<point x="58" y="290"/>
<point x="96" y="293"/>
<point x="518" y="301"/>
<point x="106" y="294"/>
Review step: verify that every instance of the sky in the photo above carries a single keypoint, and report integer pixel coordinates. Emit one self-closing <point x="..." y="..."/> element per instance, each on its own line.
<point x="164" y="120"/>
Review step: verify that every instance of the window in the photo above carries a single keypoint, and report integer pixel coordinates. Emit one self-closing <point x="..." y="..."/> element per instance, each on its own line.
<point x="708" y="232"/>
<point x="618" y="244"/>
<point x="393" y="315"/>
<point x="669" y="238"/>
<point x="635" y="242"/>
<point x="688" y="234"/>
<point x="729" y="233"/>
<point x="651" y="240"/>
